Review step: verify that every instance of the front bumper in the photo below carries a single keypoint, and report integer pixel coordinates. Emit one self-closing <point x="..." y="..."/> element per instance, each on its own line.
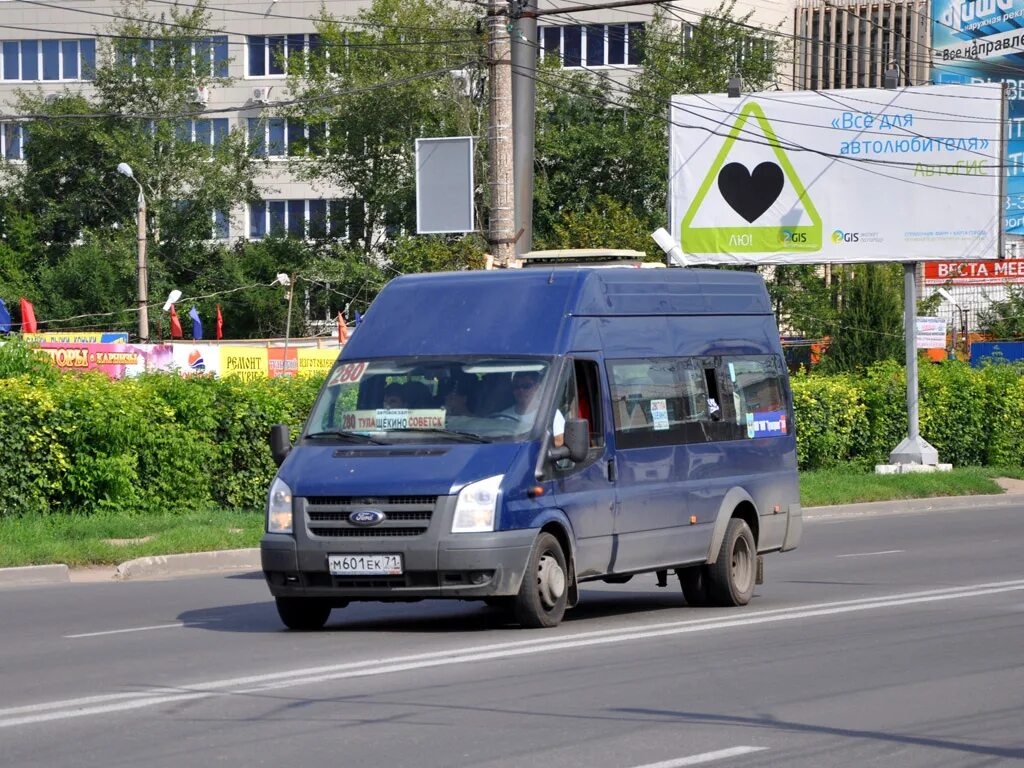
<point x="436" y="563"/>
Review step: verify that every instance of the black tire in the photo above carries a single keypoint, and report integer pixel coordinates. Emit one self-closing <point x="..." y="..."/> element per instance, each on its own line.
<point x="732" y="575"/>
<point x="694" y="581"/>
<point x="543" y="594"/>
<point x="303" y="613"/>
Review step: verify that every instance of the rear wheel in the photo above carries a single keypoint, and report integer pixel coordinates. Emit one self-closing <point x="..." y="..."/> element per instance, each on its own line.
<point x="543" y="594"/>
<point x="732" y="575"/>
<point x="303" y="613"/>
<point x="694" y="581"/>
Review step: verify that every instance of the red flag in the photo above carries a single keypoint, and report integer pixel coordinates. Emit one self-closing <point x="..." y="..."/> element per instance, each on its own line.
<point x="220" y="324"/>
<point x="28" y="317"/>
<point x="342" y="329"/>
<point x="175" y="325"/>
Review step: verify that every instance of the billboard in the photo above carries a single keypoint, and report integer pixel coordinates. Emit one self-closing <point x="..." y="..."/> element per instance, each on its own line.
<point x="837" y="176"/>
<point x="981" y="41"/>
<point x="974" y="272"/>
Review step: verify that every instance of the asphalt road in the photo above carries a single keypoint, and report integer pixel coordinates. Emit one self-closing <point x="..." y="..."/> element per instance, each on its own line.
<point x="885" y="640"/>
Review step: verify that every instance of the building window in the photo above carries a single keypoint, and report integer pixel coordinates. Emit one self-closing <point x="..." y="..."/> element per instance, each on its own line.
<point x="269" y="55"/>
<point x="594" y="45"/>
<point x="52" y="60"/>
<point x="206" y="57"/>
<point x="314" y="219"/>
<point x="12" y="141"/>
<point x="278" y="137"/>
<point x="208" y="132"/>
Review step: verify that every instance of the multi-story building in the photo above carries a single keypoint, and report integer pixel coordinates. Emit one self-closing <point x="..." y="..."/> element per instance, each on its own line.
<point x="55" y="46"/>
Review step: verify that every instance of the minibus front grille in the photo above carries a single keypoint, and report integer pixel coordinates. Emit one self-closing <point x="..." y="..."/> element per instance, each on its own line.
<point x="368" y="533"/>
<point x="329" y="516"/>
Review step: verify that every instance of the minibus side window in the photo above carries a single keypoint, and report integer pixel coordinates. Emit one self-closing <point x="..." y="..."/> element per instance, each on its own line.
<point x="755" y="393"/>
<point x="658" y="401"/>
<point x="588" y="399"/>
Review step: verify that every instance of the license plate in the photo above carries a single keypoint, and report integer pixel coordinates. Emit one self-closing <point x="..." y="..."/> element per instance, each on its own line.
<point x="365" y="565"/>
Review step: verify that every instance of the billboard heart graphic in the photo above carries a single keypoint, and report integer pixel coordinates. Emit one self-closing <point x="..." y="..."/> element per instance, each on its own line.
<point x="750" y="194"/>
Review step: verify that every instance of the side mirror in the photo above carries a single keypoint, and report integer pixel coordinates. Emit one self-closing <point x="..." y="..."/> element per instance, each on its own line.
<point x="576" y="444"/>
<point x="280" y="443"/>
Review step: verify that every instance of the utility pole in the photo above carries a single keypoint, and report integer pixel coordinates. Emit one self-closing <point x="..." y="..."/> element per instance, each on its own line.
<point x="502" y="220"/>
<point x="143" y="276"/>
<point x="524" y="101"/>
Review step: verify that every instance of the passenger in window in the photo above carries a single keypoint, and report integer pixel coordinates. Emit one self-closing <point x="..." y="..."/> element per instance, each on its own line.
<point x="394" y="396"/>
<point x="457" y="400"/>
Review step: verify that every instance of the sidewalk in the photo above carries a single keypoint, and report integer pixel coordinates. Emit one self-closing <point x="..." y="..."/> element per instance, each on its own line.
<point x="243" y="560"/>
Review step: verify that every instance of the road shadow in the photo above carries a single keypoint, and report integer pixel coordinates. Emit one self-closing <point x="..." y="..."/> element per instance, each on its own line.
<point x="705" y="718"/>
<point x="442" y="616"/>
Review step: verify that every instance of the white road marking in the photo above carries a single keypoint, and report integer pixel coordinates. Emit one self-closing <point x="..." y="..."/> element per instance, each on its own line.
<point x="869" y="554"/>
<point x="176" y="625"/>
<point x="706" y="757"/>
<point x="121" y="702"/>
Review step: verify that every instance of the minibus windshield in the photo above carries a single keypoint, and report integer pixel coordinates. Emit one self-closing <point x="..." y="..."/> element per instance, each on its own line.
<point x="461" y="399"/>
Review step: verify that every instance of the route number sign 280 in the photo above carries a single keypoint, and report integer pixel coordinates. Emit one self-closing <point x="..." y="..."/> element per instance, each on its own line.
<point x="349" y="373"/>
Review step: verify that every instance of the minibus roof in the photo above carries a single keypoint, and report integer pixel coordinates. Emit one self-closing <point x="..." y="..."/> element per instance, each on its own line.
<point x="526" y="311"/>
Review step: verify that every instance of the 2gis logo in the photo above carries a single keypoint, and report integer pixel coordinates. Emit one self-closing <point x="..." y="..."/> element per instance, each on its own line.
<point x="789" y="237"/>
<point x="845" y="237"/>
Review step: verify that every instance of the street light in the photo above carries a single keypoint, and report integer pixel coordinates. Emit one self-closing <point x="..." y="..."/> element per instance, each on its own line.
<point x="963" y="315"/>
<point x="126" y="170"/>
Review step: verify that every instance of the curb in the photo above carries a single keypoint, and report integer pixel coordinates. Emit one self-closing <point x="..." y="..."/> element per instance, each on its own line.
<point x="194" y="563"/>
<point x="904" y="506"/>
<point x="34" y="575"/>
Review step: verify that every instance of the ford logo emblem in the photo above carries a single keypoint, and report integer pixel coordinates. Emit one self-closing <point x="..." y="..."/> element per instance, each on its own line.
<point x="366" y="517"/>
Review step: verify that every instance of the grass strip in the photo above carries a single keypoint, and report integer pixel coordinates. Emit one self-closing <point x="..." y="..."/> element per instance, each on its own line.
<point x="110" y="537"/>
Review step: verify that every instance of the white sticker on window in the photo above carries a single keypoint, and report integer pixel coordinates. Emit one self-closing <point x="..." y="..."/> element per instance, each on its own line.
<point x="659" y="413"/>
<point x="732" y="373"/>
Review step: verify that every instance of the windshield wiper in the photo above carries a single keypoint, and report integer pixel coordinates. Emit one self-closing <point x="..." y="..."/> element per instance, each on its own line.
<point x="346" y="434"/>
<point x="471" y="437"/>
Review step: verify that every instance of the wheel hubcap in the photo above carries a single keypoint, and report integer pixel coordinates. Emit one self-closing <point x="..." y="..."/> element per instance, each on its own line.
<point x="550" y="581"/>
<point x="741" y="564"/>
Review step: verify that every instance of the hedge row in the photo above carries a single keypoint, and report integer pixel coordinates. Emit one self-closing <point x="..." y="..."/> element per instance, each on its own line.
<point x="81" y="443"/>
<point x="972" y="416"/>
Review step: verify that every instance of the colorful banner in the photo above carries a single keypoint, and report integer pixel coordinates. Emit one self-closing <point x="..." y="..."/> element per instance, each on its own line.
<point x="316" y="362"/>
<point x="974" y="272"/>
<point x="115" y="360"/>
<point x="980" y="41"/>
<point x="77" y="337"/>
<point x="276" y="362"/>
<point x="193" y="359"/>
<point x="247" y="363"/>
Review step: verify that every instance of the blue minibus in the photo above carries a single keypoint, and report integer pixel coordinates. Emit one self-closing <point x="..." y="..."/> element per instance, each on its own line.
<point x="506" y="435"/>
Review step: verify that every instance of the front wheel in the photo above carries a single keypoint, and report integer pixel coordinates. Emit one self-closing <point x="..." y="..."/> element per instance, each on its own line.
<point x="542" y="596"/>
<point x="732" y="575"/>
<point x="303" y="613"/>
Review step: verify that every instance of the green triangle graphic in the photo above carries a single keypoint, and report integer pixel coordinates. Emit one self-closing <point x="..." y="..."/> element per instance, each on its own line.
<point x="750" y="238"/>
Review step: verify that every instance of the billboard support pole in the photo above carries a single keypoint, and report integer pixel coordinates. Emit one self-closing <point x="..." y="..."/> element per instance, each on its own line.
<point x="913" y="449"/>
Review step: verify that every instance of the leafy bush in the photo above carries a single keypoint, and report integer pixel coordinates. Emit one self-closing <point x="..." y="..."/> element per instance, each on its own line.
<point x="830" y="416"/>
<point x="84" y="444"/>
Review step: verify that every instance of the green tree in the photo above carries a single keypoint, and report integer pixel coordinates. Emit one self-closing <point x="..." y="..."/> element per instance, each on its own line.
<point x="1004" y="319"/>
<point x="869" y="323"/>
<point x="378" y="81"/>
<point x="600" y="138"/>
<point x="141" y="110"/>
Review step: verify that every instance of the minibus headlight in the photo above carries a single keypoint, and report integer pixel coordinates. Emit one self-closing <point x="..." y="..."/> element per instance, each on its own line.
<point x="279" y="507"/>
<point x="477" y="506"/>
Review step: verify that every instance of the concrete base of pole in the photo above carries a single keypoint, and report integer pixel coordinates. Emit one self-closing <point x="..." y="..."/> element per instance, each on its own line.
<point x="914" y="450"/>
<point x="906" y="469"/>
